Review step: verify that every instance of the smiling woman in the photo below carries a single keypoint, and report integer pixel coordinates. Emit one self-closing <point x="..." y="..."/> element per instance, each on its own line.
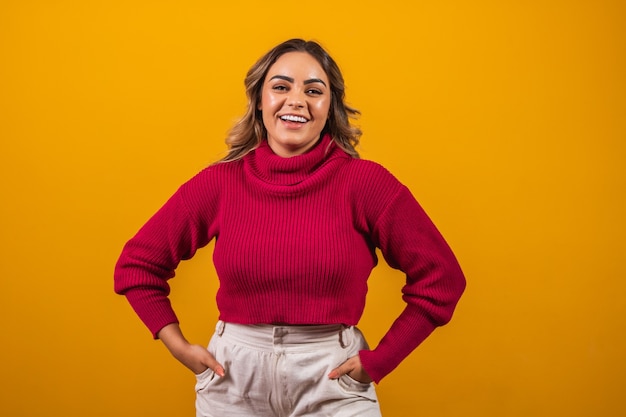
<point x="299" y="217"/>
<point x="248" y="132"/>
<point x="295" y="103"/>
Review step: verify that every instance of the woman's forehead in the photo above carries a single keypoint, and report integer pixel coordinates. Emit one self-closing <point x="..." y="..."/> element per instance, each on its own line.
<point x="297" y="65"/>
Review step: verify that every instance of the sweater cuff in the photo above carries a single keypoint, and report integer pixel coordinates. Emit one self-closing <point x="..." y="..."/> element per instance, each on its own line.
<point x="374" y="368"/>
<point x="153" y="308"/>
<point x="403" y="337"/>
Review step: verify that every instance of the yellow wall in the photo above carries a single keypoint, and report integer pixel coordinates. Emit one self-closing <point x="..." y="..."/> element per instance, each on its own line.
<point x="506" y="119"/>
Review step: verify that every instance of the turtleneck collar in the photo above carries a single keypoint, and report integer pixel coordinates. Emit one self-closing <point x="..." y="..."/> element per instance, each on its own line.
<point x="275" y="169"/>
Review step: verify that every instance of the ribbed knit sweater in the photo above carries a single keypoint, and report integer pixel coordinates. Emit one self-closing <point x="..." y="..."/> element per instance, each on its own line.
<point x="295" y="242"/>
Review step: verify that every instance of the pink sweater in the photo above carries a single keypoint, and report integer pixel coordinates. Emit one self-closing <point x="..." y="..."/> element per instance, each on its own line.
<point x="295" y="244"/>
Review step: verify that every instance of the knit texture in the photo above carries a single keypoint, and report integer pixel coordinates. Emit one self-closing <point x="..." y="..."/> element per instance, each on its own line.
<point x="295" y="242"/>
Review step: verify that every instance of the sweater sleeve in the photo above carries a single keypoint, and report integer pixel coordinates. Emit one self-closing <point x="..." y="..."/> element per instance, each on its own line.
<point x="150" y="258"/>
<point x="409" y="241"/>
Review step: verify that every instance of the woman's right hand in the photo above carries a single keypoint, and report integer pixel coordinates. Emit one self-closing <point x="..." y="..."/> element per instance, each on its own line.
<point x="195" y="357"/>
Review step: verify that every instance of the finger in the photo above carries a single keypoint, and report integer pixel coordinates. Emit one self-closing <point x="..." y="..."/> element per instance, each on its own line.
<point x="214" y="365"/>
<point x="342" y="369"/>
<point x="219" y="370"/>
<point x="335" y="373"/>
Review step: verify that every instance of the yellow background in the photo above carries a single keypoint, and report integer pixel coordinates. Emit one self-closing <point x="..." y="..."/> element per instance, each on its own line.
<point x="506" y="120"/>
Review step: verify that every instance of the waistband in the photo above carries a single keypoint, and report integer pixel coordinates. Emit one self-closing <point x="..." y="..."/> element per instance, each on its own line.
<point x="269" y="337"/>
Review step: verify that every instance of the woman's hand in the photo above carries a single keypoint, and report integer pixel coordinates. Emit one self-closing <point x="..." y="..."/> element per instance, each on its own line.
<point x="195" y="357"/>
<point x="353" y="368"/>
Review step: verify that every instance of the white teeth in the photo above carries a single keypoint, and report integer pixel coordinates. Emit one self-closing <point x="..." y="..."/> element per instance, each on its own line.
<point x="292" y="118"/>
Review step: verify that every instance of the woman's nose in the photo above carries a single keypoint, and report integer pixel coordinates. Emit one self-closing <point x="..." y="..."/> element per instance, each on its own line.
<point x="295" y="99"/>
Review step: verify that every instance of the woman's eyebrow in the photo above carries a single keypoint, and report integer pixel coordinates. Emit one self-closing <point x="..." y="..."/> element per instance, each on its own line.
<point x="283" y="77"/>
<point x="315" y="80"/>
<point x="291" y="80"/>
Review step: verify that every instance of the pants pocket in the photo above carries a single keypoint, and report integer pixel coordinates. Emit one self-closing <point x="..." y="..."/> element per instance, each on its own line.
<point x="204" y="379"/>
<point x="348" y="385"/>
<point x="351" y="386"/>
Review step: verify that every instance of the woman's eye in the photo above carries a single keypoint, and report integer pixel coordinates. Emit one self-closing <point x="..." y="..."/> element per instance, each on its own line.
<point x="279" y="88"/>
<point x="314" y="92"/>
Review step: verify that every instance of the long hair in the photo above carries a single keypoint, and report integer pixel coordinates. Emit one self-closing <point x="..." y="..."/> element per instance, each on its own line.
<point x="249" y="131"/>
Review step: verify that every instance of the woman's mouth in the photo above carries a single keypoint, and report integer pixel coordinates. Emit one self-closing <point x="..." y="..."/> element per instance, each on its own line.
<point x="293" y="118"/>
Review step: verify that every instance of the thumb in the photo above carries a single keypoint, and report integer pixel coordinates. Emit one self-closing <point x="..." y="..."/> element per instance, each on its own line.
<point x="219" y="370"/>
<point x="214" y="365"/>
<point x="343" y="369"/>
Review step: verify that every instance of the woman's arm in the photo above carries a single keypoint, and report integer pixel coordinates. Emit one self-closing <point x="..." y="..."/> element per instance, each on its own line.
<point x="194" y="357"/>
<point x="410" y="242"/>
<point x="174" y="233"/>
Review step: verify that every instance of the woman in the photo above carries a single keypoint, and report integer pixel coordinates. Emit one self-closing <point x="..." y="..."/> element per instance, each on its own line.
<point x="297" y="218"/>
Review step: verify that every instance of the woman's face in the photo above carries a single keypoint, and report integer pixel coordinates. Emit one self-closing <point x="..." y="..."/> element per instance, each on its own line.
<point x="295" y="102"/>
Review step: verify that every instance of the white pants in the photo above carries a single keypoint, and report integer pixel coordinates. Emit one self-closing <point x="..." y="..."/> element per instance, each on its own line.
<point x="282" y="371"/>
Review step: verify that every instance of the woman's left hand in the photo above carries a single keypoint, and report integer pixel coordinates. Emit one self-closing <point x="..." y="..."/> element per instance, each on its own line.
<point x="353" y="368"/>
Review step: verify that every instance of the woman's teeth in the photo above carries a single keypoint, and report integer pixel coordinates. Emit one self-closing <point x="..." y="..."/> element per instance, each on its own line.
<point x="291" y="118"/>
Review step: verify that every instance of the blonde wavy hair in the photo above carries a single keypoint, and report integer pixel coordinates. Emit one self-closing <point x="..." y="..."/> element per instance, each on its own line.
<point x="249" y="131"/>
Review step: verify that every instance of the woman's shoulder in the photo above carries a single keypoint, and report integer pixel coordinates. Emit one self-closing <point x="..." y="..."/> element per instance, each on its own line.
<point x="213" y="177"/>
<point x="370" y="184"/>
<point x="217" y="170"/>
<point x="368" y="171"/>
